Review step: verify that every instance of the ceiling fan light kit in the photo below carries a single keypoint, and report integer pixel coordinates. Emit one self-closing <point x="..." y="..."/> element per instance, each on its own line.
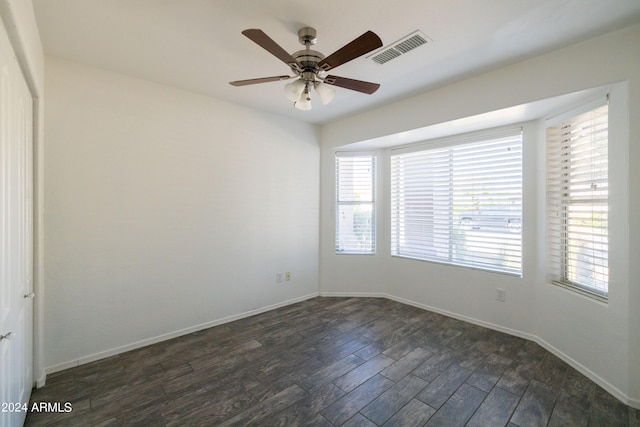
<point x="325" y="92"/>
<point x="304" y="103"/>
<point x="310" y="67"/>
<point x="299" y="92"/>
<point x="294" y="89"/>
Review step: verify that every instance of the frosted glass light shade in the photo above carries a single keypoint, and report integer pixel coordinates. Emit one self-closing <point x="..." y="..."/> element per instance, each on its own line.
<point x="294" y="89"/>
<point x="304" y="103"/>
<point x="325" y="92"/>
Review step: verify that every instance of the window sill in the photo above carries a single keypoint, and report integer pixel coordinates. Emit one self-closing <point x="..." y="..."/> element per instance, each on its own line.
<point x="581" y="291"/>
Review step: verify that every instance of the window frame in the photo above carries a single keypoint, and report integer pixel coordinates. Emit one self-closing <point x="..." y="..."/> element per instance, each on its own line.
<point x="372" y="204"/>
<point x="450" y="143"/>
<point x="559" y="276"/>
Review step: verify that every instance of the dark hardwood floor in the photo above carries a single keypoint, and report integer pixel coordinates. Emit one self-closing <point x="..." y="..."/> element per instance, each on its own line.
<point x="334" y="361"/>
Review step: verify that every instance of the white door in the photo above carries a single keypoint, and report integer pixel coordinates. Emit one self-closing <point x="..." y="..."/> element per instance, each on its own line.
<point x="16" y="237"/>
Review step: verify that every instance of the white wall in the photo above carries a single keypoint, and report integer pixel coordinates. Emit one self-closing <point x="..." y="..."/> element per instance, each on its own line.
<point x="603" y="341"/>
<point x="20" y="23"/>
<point x="166" y="210"/>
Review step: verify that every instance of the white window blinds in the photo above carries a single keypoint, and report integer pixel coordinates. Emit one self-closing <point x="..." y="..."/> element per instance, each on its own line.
<point x="578" y="201"/>
<point x="460" y="202"/>
<point x="355" y="210"/>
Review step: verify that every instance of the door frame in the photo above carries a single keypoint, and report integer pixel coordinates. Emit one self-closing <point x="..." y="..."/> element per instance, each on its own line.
<point x="21" y="28"/>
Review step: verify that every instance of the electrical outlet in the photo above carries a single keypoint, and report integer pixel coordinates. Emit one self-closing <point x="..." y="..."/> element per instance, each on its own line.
<point x="278" y="277"/>
<point x="501" y="294"/>
<point x="287" y="276"/>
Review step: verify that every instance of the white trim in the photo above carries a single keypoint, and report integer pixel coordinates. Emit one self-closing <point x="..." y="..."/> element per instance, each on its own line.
<point x="354" y="295"/>
<point x="459" y="139"/>
<point x="355" y="203"/>
<point x="588" y="373"/>
<point x="632" y="402"/>
<point x="613" y="390"/>
<point x="355" y="153"/>
<point x="430" y="308"/>
<point x="468" y="319"/>
<point x="20" y="41"/>
<point x="39" y="371"/>
<point x="142" y="343"/>
<point x="598" y="101"/>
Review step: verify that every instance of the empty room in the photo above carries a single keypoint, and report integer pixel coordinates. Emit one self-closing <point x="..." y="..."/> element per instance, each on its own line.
<point x="288" y="213"/>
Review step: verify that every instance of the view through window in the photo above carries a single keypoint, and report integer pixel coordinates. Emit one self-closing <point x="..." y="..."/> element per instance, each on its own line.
<point x="355" y="209"/>
<point x="459" y="201"/>
<point x="578" y="201"/>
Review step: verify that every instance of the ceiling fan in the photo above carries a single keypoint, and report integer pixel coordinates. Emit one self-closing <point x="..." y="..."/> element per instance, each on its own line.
<point x="310" y="67"/>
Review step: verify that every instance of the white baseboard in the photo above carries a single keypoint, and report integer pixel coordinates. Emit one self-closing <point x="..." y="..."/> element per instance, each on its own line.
<point x="473" y="320"/>
<point x="41" y="379"/>
<point x="634" y="403"/>
<point x="354" y="295"/>
<point x="153" y="340"/>
<point x="610" y="388"/>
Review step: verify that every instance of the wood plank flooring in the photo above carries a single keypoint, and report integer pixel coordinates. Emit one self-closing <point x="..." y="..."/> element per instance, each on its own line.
<point x="332" y="362"/>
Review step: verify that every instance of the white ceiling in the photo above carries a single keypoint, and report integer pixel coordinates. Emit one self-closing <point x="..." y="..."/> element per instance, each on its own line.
<point x="197" y="45"/>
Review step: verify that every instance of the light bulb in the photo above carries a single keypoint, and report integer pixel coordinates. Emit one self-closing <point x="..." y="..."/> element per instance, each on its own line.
<point x="325" y="92"/>
<point x="294" y="89"/>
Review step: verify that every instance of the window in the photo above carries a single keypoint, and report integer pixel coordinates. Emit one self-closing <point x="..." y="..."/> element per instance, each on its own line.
<point x="355" y="207"/>
<point x="459" y="201"/>
<point x="578" y="201"/>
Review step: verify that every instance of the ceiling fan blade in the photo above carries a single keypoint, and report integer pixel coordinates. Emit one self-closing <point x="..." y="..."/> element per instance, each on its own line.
<point x="260" y="80"/>
<point x="267" y="43"/>
<point x="357" y="85"/>
<point x="358" y="47"/>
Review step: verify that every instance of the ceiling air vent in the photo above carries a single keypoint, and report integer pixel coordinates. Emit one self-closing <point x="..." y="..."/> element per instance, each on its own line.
<point x="400" y="47"/>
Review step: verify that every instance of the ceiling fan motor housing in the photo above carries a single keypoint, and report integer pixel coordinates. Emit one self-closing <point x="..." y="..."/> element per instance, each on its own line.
<point x="307" y="58"/>
<point x="307" y="35"/>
